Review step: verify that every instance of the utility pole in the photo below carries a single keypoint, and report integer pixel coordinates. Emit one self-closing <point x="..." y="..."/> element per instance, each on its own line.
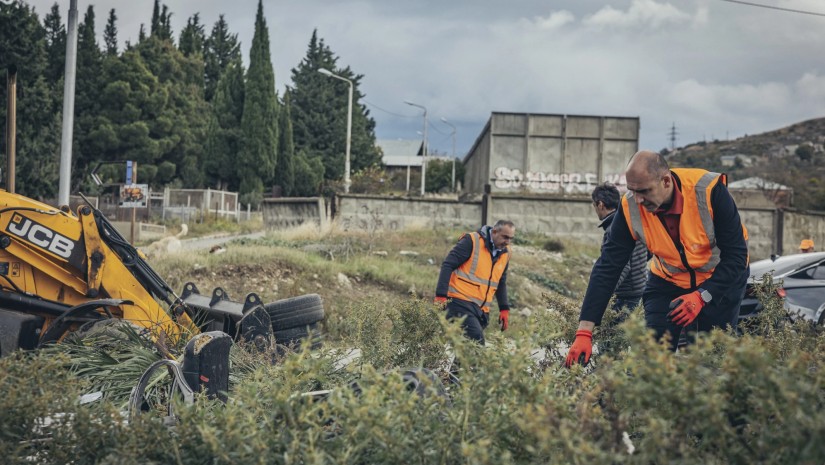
<point x="672" y="135"/>
<point x="68" y="107"/>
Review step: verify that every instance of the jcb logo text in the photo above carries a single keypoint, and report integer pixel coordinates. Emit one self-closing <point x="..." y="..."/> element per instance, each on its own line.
<point x="41" y="236"/>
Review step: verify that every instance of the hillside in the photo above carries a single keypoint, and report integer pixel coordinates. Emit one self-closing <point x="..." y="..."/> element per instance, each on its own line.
<point x="382" y="269"/>
<point x="793" y="156"/>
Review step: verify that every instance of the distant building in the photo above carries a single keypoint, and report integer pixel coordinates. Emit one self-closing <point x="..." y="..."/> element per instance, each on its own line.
<point x="730" y="160"/>
<point x="550" y="153"/>
<point x="757" y="192"/>
<point x="402" y="159"/>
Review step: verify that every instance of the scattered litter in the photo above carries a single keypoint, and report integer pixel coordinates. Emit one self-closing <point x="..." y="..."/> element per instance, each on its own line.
<point x="408" y="253"/>
<point x="343" y="281"/>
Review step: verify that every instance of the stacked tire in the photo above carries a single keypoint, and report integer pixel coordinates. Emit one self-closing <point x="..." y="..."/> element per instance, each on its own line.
<point x="296" y="319"/>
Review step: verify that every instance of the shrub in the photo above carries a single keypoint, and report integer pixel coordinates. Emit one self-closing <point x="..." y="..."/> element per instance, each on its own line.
<point x="553" y="245"/>
<point x="755" y="398"/>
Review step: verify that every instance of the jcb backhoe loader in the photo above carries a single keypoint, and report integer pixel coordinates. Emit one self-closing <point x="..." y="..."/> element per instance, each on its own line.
<point x="61" y="271"/>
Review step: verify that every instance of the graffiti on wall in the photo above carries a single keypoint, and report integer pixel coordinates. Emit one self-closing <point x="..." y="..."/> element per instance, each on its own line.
<point x="568" y="183"/>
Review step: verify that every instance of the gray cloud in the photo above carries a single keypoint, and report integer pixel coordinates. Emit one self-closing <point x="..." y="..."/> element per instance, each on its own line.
<point x="714" y="68"/>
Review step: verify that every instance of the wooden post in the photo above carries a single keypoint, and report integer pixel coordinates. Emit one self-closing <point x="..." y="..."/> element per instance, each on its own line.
<point x="11" y="127"/>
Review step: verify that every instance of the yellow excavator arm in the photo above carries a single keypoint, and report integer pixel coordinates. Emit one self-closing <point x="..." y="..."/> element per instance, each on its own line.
<point x="60" y="257"/>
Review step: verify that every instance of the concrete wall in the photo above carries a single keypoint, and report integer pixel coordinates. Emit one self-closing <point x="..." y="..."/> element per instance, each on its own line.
<point x="798" y="225"/>
<point x="762" y="234"/>
<point x="287" y="212"/>
<point x="550" y="154"/>
<point x="557" y="217"/>
<point x="477" y="163"/>
<point x="370" y="213"/>
<point x="770" y="230"/>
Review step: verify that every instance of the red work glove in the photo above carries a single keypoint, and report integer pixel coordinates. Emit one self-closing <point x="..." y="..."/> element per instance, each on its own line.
<point x="581" y="350"/>
<point x="504" y="319"/>
<point x="440" y="300"/>
<point x="686" y="308"/>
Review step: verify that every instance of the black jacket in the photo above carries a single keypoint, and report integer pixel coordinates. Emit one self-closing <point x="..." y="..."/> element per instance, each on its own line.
<point x="634" y="275"/>
<point x="732" y="268"/>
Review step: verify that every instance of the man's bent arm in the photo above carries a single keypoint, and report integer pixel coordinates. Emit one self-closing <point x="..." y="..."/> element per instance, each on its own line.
<point x="460" y="254"/>
<point x="616" y="252"/>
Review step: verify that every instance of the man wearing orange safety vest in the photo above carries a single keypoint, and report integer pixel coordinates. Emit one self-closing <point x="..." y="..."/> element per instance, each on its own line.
<point x="691" y="226"/>
<point x="473" y="272"/>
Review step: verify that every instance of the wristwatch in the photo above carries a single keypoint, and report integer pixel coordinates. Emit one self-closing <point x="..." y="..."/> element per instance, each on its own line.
<point x="705" y="295"/>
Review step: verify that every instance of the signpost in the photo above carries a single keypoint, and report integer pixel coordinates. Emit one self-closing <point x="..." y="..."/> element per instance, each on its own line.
<point x="133" y="194"/>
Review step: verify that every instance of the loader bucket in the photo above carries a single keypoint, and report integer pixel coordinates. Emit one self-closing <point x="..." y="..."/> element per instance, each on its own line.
<point x="247" y="320"/>
<point x="206" y="363"/>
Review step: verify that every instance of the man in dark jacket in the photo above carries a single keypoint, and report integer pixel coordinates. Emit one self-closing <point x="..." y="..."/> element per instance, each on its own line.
<point x="690" y="224"/>
<point x="474" y="271"/>
<point x="632" y="281"/>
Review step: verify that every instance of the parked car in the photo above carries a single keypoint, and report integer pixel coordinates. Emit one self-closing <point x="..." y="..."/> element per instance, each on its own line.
<point x="801" y="280"/>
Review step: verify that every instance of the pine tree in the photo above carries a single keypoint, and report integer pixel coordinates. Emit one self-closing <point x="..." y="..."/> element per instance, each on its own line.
<point x="179" y="116"/>
<point x="192" y="37"/>
<point x="87" y="104"/>
<point x="141" y="33"/>
<point x="319" y="113"/>
<point x="260" y="117"/>
<point x="110" y="34"/>
<point x="55" y="45"/>
<point x="285" y="168"/>
<point x="220" y="49"/>
<point x="23" y="46"/>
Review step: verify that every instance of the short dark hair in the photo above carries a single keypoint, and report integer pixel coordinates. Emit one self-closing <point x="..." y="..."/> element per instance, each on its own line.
<point x="501" y="223"/>
<point x="607" y="194"/>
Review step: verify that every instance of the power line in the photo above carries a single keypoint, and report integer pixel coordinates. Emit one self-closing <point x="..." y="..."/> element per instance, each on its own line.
<point x="430" y="124"/>
<point x="389" y="112"/>
<point x="771" y="7"/>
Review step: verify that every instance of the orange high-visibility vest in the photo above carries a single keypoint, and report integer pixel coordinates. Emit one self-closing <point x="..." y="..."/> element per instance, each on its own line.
<point x="476" y="280"/>
<point x="696" y="233"/>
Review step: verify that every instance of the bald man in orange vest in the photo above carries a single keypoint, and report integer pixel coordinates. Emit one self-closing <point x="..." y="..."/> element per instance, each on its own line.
<point x="689" y="222"/>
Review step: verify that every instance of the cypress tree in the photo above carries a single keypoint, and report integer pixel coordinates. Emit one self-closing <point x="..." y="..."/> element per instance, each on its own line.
<point x="285" y="168"/>
<point x="260" y="117"/>
<point x="154" y="29"/>
<point x="55" y="45"/>
<point x="110" y="34"/>
<point x="224" y="135"/>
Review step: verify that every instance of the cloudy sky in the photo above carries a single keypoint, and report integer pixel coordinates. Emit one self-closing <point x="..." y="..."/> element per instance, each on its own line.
<point x="714" y="68"/>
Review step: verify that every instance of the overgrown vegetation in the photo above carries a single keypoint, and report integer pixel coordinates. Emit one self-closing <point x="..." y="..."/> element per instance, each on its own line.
<point x="757" y="397"/>
<point x="791" y="156"/>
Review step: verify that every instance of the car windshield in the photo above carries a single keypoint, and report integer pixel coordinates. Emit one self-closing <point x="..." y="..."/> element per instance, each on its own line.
<point x="786" y="264"/>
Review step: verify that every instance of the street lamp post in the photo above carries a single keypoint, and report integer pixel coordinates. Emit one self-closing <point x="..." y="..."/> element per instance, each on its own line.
<point x="347" y="181"/>
<point x="444" y="120"/>
<point x="424" y="145"/>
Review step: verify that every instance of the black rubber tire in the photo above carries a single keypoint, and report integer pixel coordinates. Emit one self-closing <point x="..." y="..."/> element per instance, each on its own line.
<point x="294" y="333"/>
<point x="285" y="308"/>
<point x="298" y="321"/>
<point x="296" y="336"/>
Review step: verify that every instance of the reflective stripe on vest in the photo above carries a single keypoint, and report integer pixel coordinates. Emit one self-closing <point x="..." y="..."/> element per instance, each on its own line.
<point x="469" y="272"/>
<point x="700" y="191"/>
